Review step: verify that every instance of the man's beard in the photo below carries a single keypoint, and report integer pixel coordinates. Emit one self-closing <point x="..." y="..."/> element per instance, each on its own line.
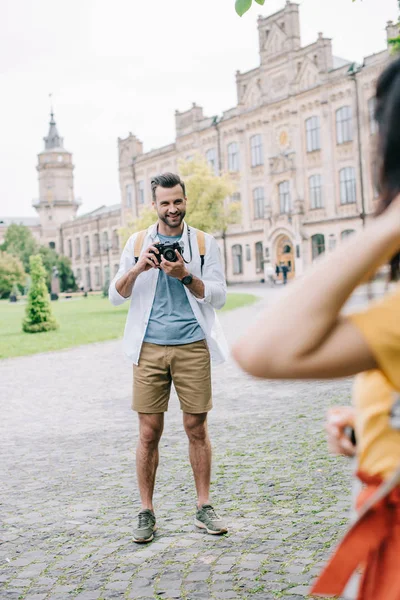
<point x="177" y="222"/>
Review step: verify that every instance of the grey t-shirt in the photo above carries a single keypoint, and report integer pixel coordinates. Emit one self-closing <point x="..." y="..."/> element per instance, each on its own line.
<point x="172" y="321"/>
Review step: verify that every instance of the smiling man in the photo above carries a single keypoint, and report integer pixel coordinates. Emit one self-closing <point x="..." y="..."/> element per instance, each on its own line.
<point x="171" y="335"/>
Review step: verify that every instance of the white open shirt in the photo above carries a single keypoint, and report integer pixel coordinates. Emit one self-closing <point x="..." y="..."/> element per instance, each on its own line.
<point x="144" y="290"/>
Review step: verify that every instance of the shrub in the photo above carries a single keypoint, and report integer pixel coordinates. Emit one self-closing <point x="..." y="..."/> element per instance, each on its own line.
<point x="38" y="311"/>
<point x="11" y="273"/>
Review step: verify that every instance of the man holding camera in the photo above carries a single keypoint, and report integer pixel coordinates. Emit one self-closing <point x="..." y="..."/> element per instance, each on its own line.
<point x="173" y="275"/>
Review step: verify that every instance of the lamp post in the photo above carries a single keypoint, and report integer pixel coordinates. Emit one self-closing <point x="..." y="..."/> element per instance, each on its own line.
<point x="353" y="71"/>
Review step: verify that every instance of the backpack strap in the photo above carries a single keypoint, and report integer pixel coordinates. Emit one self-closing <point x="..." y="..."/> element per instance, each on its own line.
<point x="201" y="241"/>
<point x="139" y="243"/>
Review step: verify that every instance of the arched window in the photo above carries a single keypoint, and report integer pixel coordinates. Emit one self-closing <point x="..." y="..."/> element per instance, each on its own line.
<point x="52" y="245"/>
<point x="256" y="150"/>
<point x="313" y="134"/>
<point x="315" y="190"/>
<point x="317" y="245"/>
<point x="285" y="205"/>
<point x="258" y="200"/>
<point x="211" y="157"/>
<point x="96" y="240"/>
<point x="344" y="125"/>
<point x="233" y="157"/>
<point x="115" y="241"/>
<point x="259" y="257"/>
<point x="347" y="177"/>
<point x="346" y="233"/>
<point x="128" y="195"/>
<point x="237" y="259"/>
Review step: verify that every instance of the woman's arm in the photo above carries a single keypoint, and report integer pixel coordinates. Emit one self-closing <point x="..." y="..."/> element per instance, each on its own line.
<point x="302" y="336"/>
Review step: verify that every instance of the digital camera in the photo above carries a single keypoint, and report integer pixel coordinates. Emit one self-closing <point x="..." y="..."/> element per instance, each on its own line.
<point x="167" y="250"/>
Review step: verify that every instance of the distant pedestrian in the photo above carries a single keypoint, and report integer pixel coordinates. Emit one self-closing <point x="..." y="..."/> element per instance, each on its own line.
<point x="277" y="270"/>
<point x="285" y="270"/>
<point x="269" y="274"/>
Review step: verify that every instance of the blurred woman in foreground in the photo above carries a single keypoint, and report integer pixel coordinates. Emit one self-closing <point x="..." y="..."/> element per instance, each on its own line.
<point x="315" y="341"/>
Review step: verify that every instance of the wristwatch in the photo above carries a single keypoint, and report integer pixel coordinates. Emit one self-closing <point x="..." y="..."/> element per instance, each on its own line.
<point x="187" y="280"/>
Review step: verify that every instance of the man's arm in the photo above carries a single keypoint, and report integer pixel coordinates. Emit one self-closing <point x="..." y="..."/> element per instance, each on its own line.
<point x="122" y="285"/>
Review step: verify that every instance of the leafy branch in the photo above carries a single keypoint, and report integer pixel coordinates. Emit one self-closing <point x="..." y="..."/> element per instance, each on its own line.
<point x="242" y="6"/>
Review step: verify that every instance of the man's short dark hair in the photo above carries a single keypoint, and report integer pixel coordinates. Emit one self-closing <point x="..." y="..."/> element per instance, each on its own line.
<point x="166" y="180"/>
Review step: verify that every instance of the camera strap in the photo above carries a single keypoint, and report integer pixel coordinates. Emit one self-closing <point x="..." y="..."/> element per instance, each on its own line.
<point x="138" y="244"/>
<point x="201" y="242"/>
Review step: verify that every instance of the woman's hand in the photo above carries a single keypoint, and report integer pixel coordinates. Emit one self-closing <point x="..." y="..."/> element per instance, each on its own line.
<point x="338" y="418"/>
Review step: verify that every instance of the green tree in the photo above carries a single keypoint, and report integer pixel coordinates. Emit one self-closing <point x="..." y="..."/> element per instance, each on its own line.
<point x="51" y="259"/>
<point x="242" y="6"/>
<point x="208" y="207"/>
<point x="38" y="310"/>
<point x="65" y="274"/>
<point x="11" y="273"/>
<point x="20" y="242"/>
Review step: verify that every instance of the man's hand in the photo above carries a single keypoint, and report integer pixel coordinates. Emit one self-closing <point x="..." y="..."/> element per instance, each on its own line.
<point x="147" y="261"/>
<point x="174" y="269"/>
<point x="338" y="418"/>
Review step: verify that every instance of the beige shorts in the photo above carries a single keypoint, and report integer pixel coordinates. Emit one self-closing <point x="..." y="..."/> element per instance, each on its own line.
<point x="186" y="366"/>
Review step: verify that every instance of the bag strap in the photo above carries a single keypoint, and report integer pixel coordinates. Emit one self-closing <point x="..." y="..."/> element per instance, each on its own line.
<point x="201" y="241"/>
<point x="138" y="244"/>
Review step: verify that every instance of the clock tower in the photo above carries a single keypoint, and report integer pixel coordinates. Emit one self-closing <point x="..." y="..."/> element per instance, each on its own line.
<point x="56" y="203"/>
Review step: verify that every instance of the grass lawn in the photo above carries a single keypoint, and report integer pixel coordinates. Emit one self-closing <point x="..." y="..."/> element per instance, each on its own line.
<point x="81" y="320"/>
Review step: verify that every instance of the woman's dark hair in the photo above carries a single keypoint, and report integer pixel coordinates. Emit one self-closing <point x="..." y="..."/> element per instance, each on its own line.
<point x="387" y="115"/>
<point x="166" y="180"/>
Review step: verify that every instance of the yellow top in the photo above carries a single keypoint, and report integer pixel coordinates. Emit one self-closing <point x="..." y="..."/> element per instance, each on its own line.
<point x="378" y="444"/>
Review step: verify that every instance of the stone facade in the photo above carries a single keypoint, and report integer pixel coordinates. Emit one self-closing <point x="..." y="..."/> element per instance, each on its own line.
<point x="299" y="144"/>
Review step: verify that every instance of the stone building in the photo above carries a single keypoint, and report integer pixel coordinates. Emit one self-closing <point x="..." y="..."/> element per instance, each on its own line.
<point x="299" y="144"/>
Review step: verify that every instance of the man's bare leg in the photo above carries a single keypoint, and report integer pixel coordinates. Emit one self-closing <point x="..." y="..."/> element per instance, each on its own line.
<point x="199" y="453"/>
<point x="150" y="430"/>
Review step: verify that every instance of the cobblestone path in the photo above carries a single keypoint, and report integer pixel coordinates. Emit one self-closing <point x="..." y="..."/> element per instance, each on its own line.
<point x="69" y="497"/>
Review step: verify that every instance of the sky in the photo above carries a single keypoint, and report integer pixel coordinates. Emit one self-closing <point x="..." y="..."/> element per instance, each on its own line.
<point x="127" y="65"/>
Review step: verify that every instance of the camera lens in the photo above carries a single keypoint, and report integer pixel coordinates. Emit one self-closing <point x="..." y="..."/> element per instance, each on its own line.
<point x="170" y="255"/>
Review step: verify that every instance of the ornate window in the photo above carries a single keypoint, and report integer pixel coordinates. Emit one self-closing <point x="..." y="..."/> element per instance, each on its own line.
<point x="211" y="157"/>
<point x="128" y="195"/>
<point x="237" y="259"/>
<point x="259" y="257"/>
<point x="344" y="125"/>
<point x="141" y="192"/>
<point x="315" y="190"/>
<point x="317" y="245"/>
<point x="233" y="157"/>
<point x="285" y="204"/>
<point x="256" y="149"/>
<point x="313" y="134"/>
<point x="258" y="201"/>
<point x="347" y="179"/>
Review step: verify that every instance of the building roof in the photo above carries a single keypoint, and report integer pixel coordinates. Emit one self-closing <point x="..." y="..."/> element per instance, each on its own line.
<point x="101" y="211"/>
<point x="27" y="221"/>
<point x="340" y="62"/>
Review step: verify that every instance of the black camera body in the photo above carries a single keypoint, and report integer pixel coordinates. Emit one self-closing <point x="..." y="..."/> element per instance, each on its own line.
<point x="167" y="250"/>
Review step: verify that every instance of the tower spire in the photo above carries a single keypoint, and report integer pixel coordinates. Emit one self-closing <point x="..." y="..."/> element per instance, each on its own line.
<point x="53" y="139"/>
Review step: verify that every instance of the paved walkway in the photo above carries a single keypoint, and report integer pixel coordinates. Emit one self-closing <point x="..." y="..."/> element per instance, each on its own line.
<point x="68" y="497"/>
